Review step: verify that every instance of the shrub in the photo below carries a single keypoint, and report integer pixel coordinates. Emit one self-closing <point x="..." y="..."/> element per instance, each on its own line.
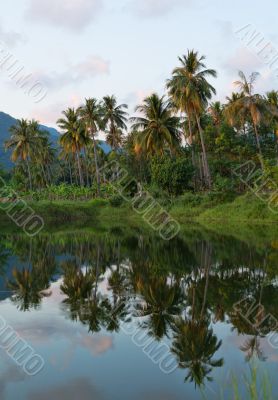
<point x="116" y="201"/>
<point x="172" y="175"/>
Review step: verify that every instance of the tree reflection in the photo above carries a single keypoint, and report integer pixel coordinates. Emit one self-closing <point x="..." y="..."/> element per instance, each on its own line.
<point x="194" y="345"/>
<point x="173" y="291"/>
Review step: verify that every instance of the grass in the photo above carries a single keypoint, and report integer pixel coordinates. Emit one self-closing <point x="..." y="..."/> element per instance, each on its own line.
<point x="246" y="208"/>
<point x="242" y="217"/>
<point x="256" y="385"/>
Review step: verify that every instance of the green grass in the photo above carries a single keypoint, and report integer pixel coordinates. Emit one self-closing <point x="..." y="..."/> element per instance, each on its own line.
<point x="244" y="209"/>
<point x="244" y="216"/>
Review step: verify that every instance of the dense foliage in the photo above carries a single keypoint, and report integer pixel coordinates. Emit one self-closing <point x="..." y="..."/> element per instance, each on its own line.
<point x="179" y="142"/>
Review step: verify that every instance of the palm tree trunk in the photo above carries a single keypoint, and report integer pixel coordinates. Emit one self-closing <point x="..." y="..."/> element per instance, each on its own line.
<point x="96" y="163"/>
<point x="70" y="172"/>
<point x="207" y="265"/>
<point x="206" y="166"/>
<point x="29" y="174"/>
<point x="259" y="145"/>
<point x="97" y="271"/>
<point x="48" y="170"/>
<point x="86" y="167"/>
<point x="79" y="170"/>
<point x="44" y="175"/>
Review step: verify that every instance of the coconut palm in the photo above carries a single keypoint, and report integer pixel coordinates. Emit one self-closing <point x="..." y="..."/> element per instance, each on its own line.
<point x="194" y="345"/>
<point x="161" y="304"/>
<point x="158" y="128"/>
<point x="216" y="111"/>
<point x="190" y="92"/>
<point x="230" y="113"/>
<point x="73" y="138"/>
<point x="272" y="100"/>
<point x="29" y="287"/>
<point x="91" y="114"/>
<point x="23" y="141"/>
<point x="249" y="103"/>
<point x="114" y="119"/>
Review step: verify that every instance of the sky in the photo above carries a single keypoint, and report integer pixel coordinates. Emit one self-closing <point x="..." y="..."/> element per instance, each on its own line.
<point x="75" y="49"/>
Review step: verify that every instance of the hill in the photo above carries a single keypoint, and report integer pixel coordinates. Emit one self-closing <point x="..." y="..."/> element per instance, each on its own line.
<point x="6" y="121"/>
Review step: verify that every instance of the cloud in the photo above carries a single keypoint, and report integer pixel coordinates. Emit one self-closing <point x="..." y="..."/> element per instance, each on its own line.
<point x="77" y="73"/>
<point x="48" y="115"/>
<point x="11" y="38"/>
<point x="155" y="8"/>
<point x="137" y="97"/>
<point x="71" y="14"/>
<point x="244" y="60"/>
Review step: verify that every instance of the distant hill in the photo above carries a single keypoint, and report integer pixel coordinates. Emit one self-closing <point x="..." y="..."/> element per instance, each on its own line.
<point x="6" y="121"/>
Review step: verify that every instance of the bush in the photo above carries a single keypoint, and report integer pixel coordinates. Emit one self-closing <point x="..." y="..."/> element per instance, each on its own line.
<point x="172" y="175"/>
<point x="116" y="201"/>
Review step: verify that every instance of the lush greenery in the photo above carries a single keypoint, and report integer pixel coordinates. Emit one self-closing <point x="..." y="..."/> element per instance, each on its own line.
<point x="179" y="144"/>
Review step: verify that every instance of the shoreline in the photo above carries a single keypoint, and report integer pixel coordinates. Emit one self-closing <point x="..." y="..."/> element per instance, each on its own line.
<point x="243" y="214"/>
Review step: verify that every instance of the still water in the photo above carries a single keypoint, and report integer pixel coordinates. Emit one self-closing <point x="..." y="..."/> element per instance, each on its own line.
<point x="126" y="315"/>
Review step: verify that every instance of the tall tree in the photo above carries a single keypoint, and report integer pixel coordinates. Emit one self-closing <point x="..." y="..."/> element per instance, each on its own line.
<point x="23" y="141"/>
<point x="114" y="120"/>
<point x="190" y="92"/>
<point x="158" y="128"/>
<point x="248" y="103"/>
<point x="272" y="100"/>
<point x="91" y="115"/>
<point x="73" y="138"/>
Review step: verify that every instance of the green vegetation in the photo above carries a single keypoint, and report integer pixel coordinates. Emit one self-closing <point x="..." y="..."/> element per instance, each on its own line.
<point x="200" y="159"/>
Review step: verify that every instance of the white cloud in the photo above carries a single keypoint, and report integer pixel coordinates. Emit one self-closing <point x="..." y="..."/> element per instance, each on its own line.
<point x="243" y="60"/>
<point x="91" y="67"/>
<point x="137" y="97"/>
<point x="155" y="8"/>
<point x="71" y="14"/>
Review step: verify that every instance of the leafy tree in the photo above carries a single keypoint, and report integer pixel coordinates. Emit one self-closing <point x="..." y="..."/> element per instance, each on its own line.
<point x="248" y="103"/>
<point x="190" y="92"/>
<point x="158" y="129"/>
<point x="114" y="119"/>
<point x="91" y="114"/>
<point x="73" y="138"/>
<point x="173" y="175"/>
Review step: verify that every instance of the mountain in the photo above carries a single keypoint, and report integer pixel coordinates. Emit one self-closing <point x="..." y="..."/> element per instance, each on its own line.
<point x="6" y="121"/>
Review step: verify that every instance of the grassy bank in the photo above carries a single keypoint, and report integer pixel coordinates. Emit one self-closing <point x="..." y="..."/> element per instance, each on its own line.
<point x="214" y="211"/>
<point x="223" y="209"/>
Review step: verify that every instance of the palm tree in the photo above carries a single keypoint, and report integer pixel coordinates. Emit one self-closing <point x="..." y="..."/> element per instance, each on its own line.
<point x="91" y="115"/>
<point x="272" y="100"/>
<point x="29" y="288"/>
<point x="216" y="111"/>
<point x="250" y="104"/>
<point x="42" y="155"/>
<point x="114" y="118"/>
<point x="23" y="141"/>
<point x="238" y="121"/>
<point x="158" y="127"/>
<point x="194" y="345"/>
<point x="190" y="92"/>
<point x="73" y="138"/>
<point x="161" y="304"/>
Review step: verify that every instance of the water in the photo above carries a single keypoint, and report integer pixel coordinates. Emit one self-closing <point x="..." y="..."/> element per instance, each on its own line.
<point x="127" y="315"/>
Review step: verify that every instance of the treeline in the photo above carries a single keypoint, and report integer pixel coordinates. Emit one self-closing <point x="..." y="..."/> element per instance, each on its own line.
<point x="180" y="141"/>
